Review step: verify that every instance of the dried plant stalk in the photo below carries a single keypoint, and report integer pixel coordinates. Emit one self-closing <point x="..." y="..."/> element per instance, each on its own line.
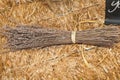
<point x="26" y="37"/>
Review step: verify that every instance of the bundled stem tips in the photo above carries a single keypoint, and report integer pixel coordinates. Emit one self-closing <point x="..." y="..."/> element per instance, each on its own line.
<point x="26" y="37"/>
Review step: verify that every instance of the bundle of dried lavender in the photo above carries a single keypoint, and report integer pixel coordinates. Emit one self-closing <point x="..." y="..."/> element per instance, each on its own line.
<point x="26" y="37"/>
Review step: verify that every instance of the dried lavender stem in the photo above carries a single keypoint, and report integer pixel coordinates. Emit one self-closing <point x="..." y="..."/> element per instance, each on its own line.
<point x="26" y="37"/>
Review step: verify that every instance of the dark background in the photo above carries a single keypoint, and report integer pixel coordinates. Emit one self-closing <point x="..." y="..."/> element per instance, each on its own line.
<point x="114" y="17"/>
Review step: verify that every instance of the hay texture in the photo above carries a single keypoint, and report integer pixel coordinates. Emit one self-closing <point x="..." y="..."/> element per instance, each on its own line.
<point x="65" y="62"/>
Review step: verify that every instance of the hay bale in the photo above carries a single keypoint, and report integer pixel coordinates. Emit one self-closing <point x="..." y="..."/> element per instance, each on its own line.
<point x="70" y="62"/>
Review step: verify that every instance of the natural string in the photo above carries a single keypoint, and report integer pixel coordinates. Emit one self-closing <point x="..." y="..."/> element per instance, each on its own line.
<point x="73" y="36"/>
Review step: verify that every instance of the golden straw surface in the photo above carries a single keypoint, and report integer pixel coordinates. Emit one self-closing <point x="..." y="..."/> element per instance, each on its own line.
<point x="65" y="62"/>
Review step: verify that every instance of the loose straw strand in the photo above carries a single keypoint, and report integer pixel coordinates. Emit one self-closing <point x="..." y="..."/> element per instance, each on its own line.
<point x="73" y="36"/>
